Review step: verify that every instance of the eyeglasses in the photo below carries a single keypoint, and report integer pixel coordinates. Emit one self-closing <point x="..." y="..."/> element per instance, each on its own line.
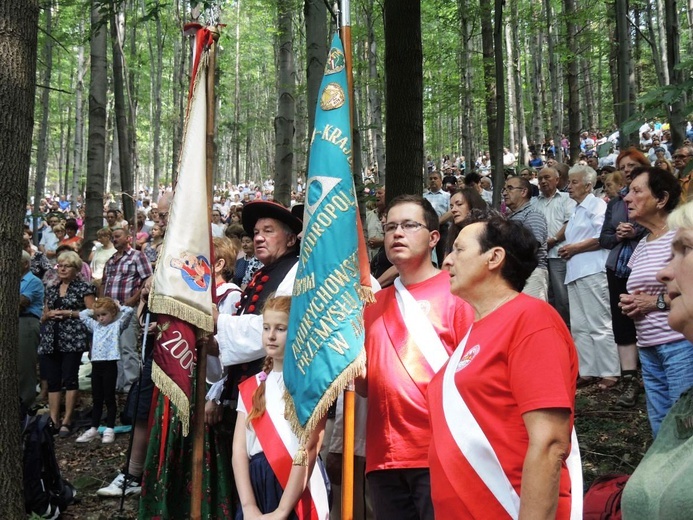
<point x="163" y="214"/>
<point x="408" y="226"/>
<point x="679" y="156"/>
<point x="511" y="188"/>
<point x="64" y="266"/>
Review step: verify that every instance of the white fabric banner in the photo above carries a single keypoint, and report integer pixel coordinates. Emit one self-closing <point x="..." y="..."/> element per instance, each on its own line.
<point x="183" y="277"/>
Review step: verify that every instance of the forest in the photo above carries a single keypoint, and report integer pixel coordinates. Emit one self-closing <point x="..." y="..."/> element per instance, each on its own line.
<point x="430" y="78"/>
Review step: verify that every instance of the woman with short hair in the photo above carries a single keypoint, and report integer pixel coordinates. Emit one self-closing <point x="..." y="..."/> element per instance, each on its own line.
<point x="666" y="355"/>
<point x="502" y="408"/>
<point x="64" y="337"/>
<point x="588" y="294"/>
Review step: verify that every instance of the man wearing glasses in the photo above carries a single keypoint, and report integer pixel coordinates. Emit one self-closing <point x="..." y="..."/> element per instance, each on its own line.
<point x="517" y="193"/>
<point x="411" y="331"/>
<point x="682" y="157"/>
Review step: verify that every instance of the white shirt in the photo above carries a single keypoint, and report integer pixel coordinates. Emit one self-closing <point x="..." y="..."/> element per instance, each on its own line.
<point x="557" y="210"/>
<point x="217" y="230"/>
<point x="586" y="223"/>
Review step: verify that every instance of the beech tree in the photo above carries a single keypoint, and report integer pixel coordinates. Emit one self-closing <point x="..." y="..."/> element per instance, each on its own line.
<point x="18" y="29"/>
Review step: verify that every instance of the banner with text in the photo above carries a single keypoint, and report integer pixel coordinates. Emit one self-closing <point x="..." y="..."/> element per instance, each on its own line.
<point x="325" y="342"/>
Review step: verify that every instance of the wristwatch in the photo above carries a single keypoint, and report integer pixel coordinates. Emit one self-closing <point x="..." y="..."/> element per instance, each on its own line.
<point x="661" y="304"/>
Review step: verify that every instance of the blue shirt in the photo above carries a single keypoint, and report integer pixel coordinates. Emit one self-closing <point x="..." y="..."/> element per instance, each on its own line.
<point x="105" y="344"/>
<point x="31" y="287"/>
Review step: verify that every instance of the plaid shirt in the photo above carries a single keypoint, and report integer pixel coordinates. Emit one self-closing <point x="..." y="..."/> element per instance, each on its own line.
<point x="123" y="276"/>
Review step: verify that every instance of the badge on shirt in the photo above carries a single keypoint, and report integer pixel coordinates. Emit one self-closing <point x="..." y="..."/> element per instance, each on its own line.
<point x="467" y="358"/>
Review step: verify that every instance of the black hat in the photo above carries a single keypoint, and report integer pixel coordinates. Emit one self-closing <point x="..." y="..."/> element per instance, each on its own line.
<point x="253" y="211"/>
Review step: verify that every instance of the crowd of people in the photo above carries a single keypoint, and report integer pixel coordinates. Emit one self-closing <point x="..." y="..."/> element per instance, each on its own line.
<point x="487" y="323"/>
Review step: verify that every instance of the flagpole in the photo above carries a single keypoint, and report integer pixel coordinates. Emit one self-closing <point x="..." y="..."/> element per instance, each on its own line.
<point x="349" y="398"/>
<point x="201" y="367"/>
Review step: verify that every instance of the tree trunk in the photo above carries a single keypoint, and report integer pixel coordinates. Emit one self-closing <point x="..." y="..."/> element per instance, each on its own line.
<point x="62" y="171"/>
<point x="179" y="89"/>
<point x="237" y="100"/>
<point x="79" y="124"/>
<point x="466" y="131"/>
<point x="662" y="38"/>
<point x="519" y="99"/>
<point x="155" y="58"/>
<point x="510" y="82"/>
<point x="569" y="12"/>
<point x="18" y="29"/>
<point x="315" y="14"/>
<point x="588" y="95"/>
<point x="677" y="120"/>
<point x="624" y="71"/>
<point x="286" y="105"/>
<point x="126" y="181"/>
<point x="556" y="84"/>
<point x="655" y="45"/>
<point x="42" y="145"/>
<point x="537" y="107"/>
<point x="491" y="96"/>
<point x="375" y="107"/>
<point x="497" y="154"/>
<point x="96" y="138"/>
<point x="404" y="97"/>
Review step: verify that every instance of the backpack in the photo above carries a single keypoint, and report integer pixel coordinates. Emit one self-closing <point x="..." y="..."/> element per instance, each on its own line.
<point x="603" y="498"/>
<point x="46" y="493"/>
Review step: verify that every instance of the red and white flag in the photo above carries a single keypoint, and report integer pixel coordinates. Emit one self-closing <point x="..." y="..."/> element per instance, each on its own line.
<point x="181" y="293"/>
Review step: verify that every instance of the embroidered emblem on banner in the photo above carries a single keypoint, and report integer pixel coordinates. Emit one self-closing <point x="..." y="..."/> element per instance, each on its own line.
<point x="467" y="358"/>
<point x="335" y="62"/>
<point x="332" y="97"/>
<point x="194" y="270"/>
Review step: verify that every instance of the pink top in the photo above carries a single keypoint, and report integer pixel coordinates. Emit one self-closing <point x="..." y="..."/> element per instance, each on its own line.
<point x="649" y="257"/>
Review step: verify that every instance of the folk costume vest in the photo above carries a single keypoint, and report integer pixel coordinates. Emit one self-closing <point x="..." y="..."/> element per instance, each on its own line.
<point x="265" y="281"/>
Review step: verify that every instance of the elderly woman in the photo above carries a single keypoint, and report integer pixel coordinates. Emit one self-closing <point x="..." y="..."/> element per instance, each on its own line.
<point x="666" y="356"/>
<point x="64" y="337"/>
<point x="614" y="182"/>
<point x="660" y="485"/>
<point x="588" y="294"/>
<point x="620" y="236"/>
<point x="462" y="202"/>
<point x="507" y="393"/>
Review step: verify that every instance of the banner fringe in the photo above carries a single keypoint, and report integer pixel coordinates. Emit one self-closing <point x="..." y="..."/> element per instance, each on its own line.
<point x="174" y="394"/>
<point x="354" y="370"/>
<point x="162" y="304"/>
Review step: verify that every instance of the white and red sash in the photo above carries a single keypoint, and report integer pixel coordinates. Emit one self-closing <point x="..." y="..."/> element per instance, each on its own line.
<point x="478" y="453"/>
<point x="279" y="446"/>
<point x="416" y="342"/>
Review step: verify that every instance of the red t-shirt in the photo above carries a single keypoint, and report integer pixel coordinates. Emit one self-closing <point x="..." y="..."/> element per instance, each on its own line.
<point x="397" y="428"/>
<point x="525" y="360"/>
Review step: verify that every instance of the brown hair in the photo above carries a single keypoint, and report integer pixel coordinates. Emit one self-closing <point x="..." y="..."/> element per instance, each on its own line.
<point x="278" y="304"/>
<point x="107" y="304"/>
<point x="226" y="250"/>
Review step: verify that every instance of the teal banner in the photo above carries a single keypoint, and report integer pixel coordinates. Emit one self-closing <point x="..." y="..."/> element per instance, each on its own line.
<point x="325" y="343"/>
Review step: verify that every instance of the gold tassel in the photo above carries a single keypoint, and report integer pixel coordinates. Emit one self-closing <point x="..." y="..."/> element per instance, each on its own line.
<point x="301" y="458"/>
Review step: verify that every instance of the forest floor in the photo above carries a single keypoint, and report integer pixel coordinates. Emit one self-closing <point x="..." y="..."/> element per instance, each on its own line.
<point x="611" y="441"/>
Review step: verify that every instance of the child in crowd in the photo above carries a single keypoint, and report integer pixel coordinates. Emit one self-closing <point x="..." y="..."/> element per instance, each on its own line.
<point x="105" y="324"/>
<point x="263" y="443"/>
